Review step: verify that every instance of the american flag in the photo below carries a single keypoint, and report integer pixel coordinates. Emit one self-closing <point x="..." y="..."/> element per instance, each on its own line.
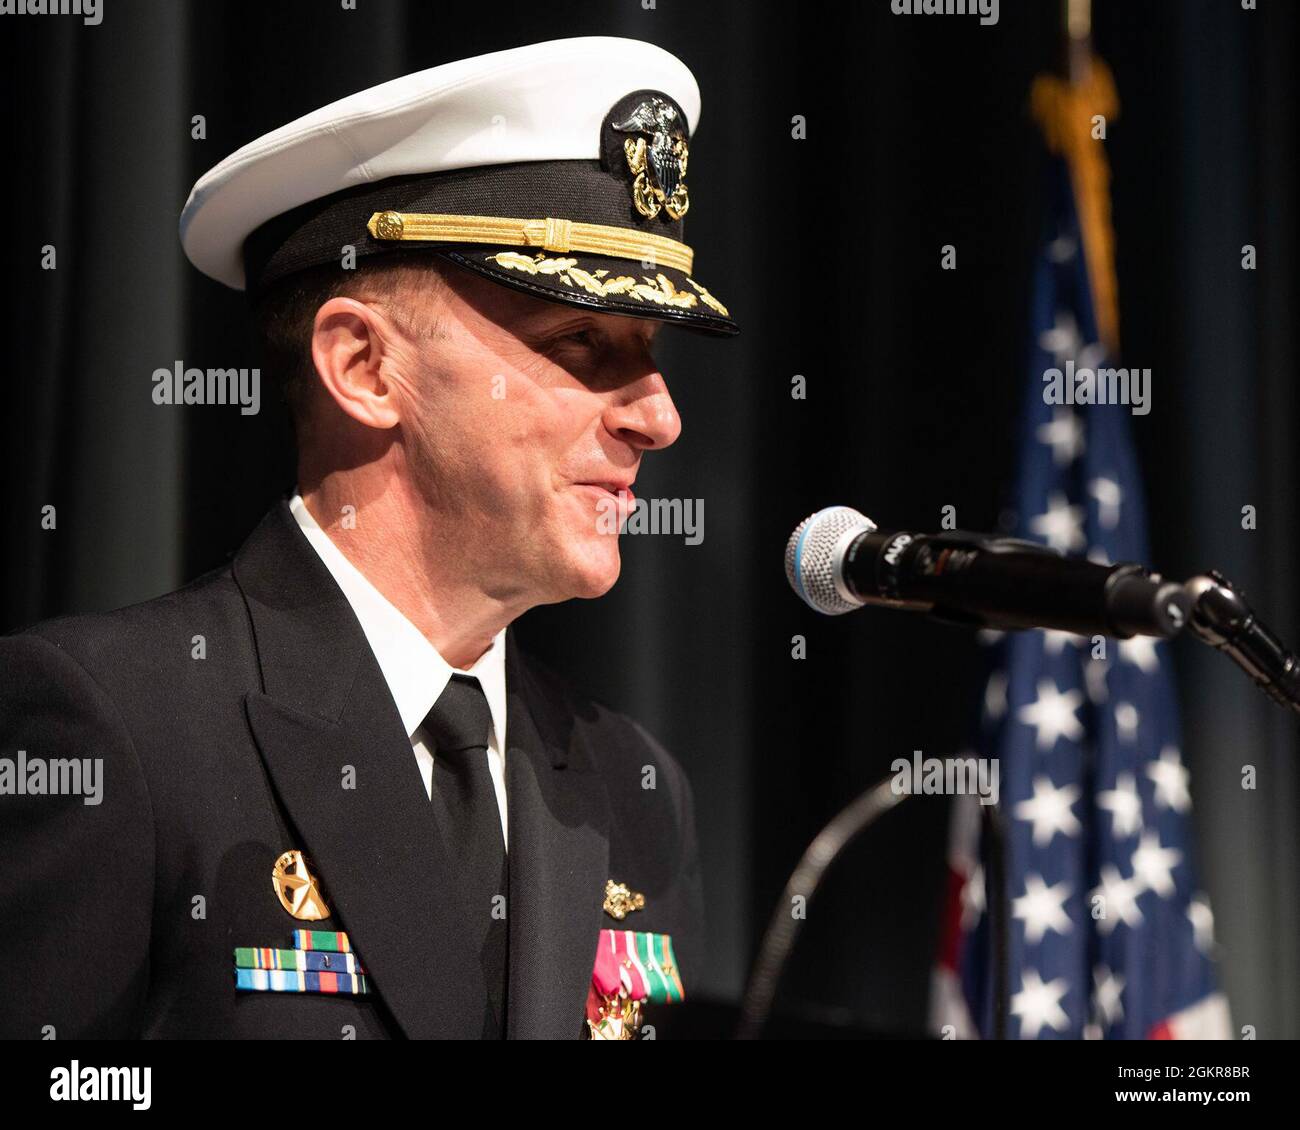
<point x="1108" y="934"/>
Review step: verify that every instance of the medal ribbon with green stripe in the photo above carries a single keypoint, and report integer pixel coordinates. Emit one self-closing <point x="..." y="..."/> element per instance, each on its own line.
<point x="649" y="965"/>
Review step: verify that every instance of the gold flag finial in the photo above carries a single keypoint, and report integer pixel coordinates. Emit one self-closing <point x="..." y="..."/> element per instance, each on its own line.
<point x="1078" y="18"/>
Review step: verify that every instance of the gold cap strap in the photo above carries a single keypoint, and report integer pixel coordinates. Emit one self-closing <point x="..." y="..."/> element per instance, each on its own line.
<point x="549" y="234"/>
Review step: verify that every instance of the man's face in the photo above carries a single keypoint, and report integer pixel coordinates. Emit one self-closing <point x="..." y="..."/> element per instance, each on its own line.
<point x="524" y="429"/>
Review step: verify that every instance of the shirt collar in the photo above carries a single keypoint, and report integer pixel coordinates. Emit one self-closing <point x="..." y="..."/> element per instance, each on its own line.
<point x="415" y="672"/>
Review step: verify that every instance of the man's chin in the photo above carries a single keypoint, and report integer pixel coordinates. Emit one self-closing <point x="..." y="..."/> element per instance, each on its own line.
<point x="594" y="573"/>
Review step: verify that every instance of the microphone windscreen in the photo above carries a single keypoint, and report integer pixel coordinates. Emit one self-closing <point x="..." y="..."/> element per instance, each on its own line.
<point x="810" y="558"/>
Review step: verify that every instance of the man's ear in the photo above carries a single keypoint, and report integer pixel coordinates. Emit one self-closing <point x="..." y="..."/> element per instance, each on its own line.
<point x="349" y="343"/>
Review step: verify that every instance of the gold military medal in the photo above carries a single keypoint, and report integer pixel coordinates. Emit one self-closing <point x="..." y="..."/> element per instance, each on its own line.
<point x="615" y="1015"/>
<point x="621" y="900"/>
<point x="298" y="889"/>
<point x="619" y="1018"/>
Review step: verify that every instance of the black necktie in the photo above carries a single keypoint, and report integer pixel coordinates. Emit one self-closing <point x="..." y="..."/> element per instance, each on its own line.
<point x="459" y="725"/>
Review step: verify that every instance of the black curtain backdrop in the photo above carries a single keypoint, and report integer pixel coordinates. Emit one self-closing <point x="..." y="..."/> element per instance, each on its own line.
<point x="828" y="252"/>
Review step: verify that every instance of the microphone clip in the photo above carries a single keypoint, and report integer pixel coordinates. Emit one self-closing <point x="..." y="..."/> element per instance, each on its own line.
<point x="1221" y="618"/>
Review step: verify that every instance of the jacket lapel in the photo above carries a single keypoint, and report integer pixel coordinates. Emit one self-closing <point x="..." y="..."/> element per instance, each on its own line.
<point x="324" y="706"/>
<point x="559" y="860"/>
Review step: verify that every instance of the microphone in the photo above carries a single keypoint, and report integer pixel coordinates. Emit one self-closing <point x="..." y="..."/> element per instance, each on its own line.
<point x="837" y="560"/>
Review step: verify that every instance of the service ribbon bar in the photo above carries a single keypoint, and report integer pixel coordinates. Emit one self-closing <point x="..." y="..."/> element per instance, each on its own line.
<point x="327" y="940"/>
<point x="250" y="957"/>
<point x="319" y="962"/>
<point x="300" y="981"/>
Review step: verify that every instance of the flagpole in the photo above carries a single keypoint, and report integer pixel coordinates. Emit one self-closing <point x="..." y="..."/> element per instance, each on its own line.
<point x="1077" y="26"/>
<point x="995" y="902"/>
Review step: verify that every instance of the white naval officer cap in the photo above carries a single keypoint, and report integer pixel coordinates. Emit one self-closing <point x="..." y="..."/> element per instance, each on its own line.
<point x="559" y="169"/>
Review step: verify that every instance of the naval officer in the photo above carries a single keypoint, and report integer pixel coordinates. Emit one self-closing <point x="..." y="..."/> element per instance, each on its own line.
<point x="361" y="810"/>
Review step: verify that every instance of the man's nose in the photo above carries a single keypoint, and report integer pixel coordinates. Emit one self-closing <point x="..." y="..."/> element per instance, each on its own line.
<point x="643" y="414"/>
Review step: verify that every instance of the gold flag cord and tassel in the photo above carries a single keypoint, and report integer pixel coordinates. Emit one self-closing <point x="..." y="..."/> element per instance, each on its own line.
<point x="1066" y="110"/>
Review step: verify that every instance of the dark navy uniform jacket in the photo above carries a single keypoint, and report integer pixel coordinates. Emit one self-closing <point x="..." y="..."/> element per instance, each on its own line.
<point x="120" y="919"/>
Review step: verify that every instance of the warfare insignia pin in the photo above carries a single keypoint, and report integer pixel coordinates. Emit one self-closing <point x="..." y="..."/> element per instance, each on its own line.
<point x="620" y="900"/>
<point x="655" y="154"/>
<point x="298" y="889"/>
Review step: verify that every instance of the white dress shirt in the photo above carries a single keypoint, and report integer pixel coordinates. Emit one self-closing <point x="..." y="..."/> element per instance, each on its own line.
<point x="414" y="671"/>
